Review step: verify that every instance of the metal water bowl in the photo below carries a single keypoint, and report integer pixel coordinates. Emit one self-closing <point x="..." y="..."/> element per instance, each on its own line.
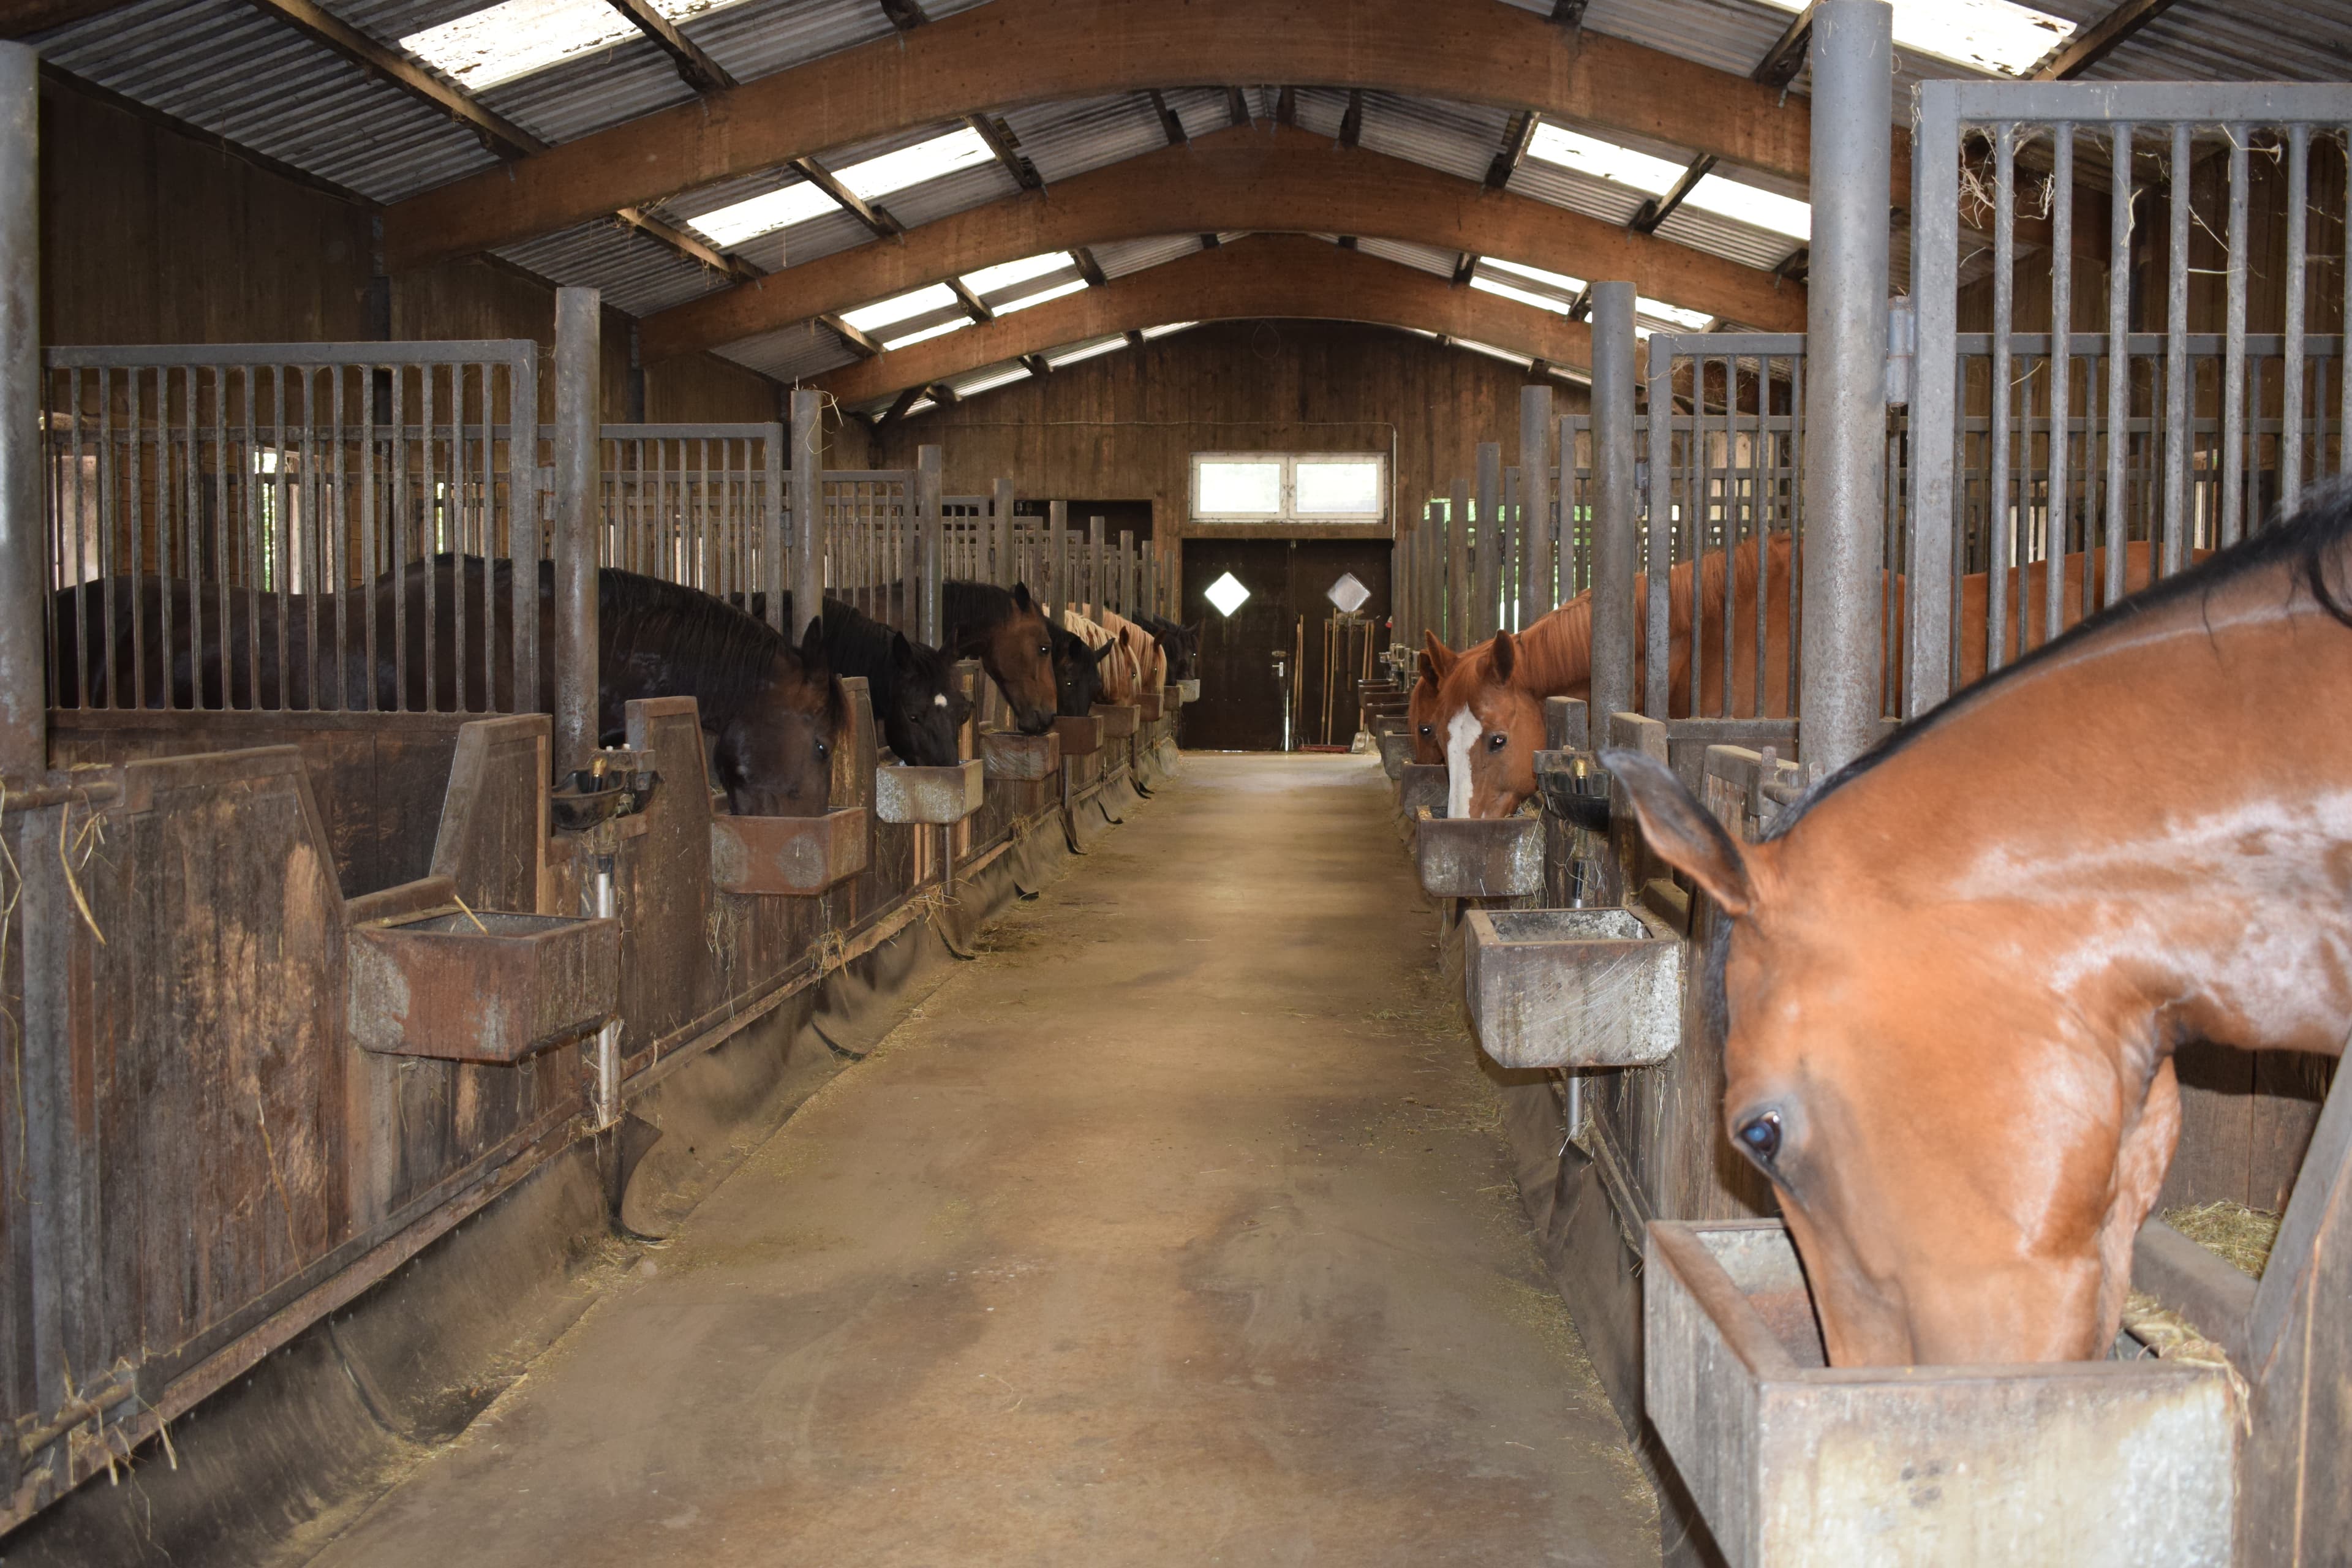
<point x="2113" y="1464"/>
<point x="1573" y="988"/>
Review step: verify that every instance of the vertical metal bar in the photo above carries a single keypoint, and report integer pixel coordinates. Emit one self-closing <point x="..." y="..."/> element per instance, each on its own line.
<point x="82" y="574"/>
<point x="2004" y="296"/>
<point x="1057" y="582"/>
<point x="1536" y="574"/>
<point x="1616" y="523"/>
<point x="2344" y="324"/>
<point x="808" y="511"/>
<point x="2298" y="201"/>
<point x="2062" y="372"/>
<point x="928" y="508"/>
<point x="2175" y="357"/>
<point x="524" y="528"/>
<point x="1458" y="592"/>
<point x="135" y="499"/>
<point x="1095" y="527"/>
<point x="223" y="502"/>
<point x="345" y="594"/>
<point x="1485" y="622"/>
<point x="1933" y="425"/>
<point x="1847" y="337"/>
<point x="1509" y="533"/>
<point x="432" y="541"/>
<point x="578" y="328"/>
<point x="2119" y="225"/>
<point x="2233" y="351"/>
<point x="1656" y="624"/>
<point x="1000" y="534"/>
<point x="24" y="534"/>
<point x="772" y="523"/>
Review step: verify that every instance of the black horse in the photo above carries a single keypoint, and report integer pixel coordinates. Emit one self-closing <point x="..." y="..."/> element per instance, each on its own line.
<point x="1077" y="673"/>
<point x="911" y="685"/>
<point x="771" y="714"/>
<point x="1180" y="643"/>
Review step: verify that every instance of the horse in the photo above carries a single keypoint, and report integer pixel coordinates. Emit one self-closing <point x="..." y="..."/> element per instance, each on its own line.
<point x="1113" y="656"/>
<point x="1956" y="973"/>
<point x="771" y="714"/>
<point x="1005" y="629"/>
<point x="1489" y="702"/>
<point x="1077" y="674"/>
<point x="911" y="685"/>
<point x="1180" y="643"/>
<point x="1140" y="645"/>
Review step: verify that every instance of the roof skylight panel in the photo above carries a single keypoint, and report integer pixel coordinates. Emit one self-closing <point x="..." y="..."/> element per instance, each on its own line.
<point x="990" y="381"/>
<point x="1072" y="286"/>
<point x="732" y="225"/>
<point x="1166" y="328"/>
<point x="1085" y="351"/>
<point x="1681" y="316"/>
<point x="900" y="307"/>
<point x="1524" y="296"/>
<point x="1600" y="160"/>
<point x="517" y="37"/>
<point x="1005" y="274"/>
<point x="877" y="177"/>
<point x="1560" y="281"/>
<point x="939" y="331"/>
<point x="1996" y="36"/>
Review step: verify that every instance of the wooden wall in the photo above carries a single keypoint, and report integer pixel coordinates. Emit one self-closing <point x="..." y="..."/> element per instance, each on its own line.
<point x="152" y="236"/>
<point x="1125" y="423"/>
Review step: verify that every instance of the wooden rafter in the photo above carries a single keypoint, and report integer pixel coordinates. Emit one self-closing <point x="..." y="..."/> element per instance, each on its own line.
<point x="698" y="70"/>
<point x="1657" y="210"/>
<point x="1027" y="51"/>
<point x="2095" y="43"/>
<point x="1265" y="179"/>
<point x="860" y="341"/>
<point x="1785" y="59"/>
<point x="1171" y="125"/>
<point x="1279" y="276"/>
<point x="870" y="214"/>
<point x="1513" y="150"/>
<point x="1351" y="121"/>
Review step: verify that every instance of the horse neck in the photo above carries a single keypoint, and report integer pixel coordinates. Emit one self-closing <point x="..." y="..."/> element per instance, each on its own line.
<point x="1554" y="656"/>
<point x="2203" y="869"/>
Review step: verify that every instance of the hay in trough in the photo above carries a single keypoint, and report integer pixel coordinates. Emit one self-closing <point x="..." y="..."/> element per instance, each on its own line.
<point x="2239" y="1235"/>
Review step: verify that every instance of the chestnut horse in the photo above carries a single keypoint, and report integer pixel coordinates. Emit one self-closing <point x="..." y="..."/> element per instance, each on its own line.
<point x="1492" y="695"/>
<point x="1005" y="629"/>
<point x="1956" y="974"/>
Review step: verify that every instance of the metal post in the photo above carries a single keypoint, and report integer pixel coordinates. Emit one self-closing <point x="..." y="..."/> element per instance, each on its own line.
<point x="1537" y="576"/>
<point x="1127" y="572"/>
<point x="577" y="322"/>
<point x="1457" y="566"/>
<point x="1094" y="535"/>
<point x="24" y="678"/>
<point x="1845" y="412"/>
<point x="808" y="510"/>
<point x="1616" y="532"/>
<point x="1485" y="620"/>
<point x="1000" y="534"/>
<point x="1058" y="557"/>
<point x="930" y="614"/>
<point x="773" y="578"/>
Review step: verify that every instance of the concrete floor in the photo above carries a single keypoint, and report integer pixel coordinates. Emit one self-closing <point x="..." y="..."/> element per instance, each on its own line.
<point x="1176" y="1228"/>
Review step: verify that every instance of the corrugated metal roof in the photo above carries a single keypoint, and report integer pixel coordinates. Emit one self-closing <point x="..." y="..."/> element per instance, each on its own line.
<point x="1134" y="255"/>
<point x="1420" y="258"/>
<point x="637" y="274"/>
<point x="791" y="353"/>
<point x="1064" y="139"/>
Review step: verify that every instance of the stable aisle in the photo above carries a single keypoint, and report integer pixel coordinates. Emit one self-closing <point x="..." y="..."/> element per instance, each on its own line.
<point x="1177" y="1228"/>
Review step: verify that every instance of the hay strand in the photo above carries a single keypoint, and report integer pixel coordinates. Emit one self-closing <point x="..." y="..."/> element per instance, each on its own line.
<point x="2240" y="1236"/>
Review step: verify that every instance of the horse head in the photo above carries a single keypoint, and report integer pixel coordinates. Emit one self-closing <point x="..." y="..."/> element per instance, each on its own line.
<point x="1964" y="1133"/>
<point x="1488" y="729"/>
<point x="1017" y="651"/>
<point x="773" y="754"/>
<point x="1077" y="673"/>
<point x="925" y="715"/>
<point x="1436" y="662"/>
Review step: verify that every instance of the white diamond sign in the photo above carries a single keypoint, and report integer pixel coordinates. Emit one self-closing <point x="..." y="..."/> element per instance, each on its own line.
<point x="1227" y="593"/>
<point x="1348" y="594"/>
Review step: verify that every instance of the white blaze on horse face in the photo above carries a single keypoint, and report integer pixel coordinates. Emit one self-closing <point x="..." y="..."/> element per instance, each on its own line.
<point x="1461" y="733"/>
<point x="938" y="700"/>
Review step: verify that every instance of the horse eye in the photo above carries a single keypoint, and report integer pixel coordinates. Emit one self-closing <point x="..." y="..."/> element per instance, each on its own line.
<point x="1761" y="1136"/>
<point x="1427" y="729"/>
<point x="1496" y="742"/>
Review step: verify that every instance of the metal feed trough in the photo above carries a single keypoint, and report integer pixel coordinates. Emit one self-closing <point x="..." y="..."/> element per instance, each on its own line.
<point x="1573" y="988"/>
<point x="941" y="796"/>
<point x="794" y="857"/>
<point x="480" y="985"/>
<point x="1480" y="859"/>
<point x="2128" y="1464"/>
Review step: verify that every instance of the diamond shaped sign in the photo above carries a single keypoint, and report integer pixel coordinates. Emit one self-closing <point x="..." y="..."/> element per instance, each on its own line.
<point x="1227" y="593"/>
<point x="1348" y="594"/>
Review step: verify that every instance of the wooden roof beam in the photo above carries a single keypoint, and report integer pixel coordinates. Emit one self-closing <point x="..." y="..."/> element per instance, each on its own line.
<point x="1027" y="51"/>
<point x="1785" y="60"/>
<point x="861" y="342"/>
<point x="695" y="68"/>
<point x="1171" y="125"/>
<point x="2095" y="43"/>
<point x="1268" y="179"/>
<point x="1265" y="275"/>
<point x="1351" y="119"/>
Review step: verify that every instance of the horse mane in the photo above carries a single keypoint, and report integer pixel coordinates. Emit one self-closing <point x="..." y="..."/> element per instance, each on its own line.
<point x="734" y="650"/>
<point x="2300" y="543"/>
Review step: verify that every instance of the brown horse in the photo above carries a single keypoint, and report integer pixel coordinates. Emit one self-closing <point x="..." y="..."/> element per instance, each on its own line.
<point x="1956" y="976"/>
<point x="1495" y="695"/>
<point x="1005" y="629"/>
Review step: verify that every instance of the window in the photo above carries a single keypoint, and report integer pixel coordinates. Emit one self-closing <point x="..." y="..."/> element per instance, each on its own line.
<point x="1286" y="487"/>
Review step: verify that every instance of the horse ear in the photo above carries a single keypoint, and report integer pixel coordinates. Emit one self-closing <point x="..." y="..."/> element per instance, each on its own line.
<point x="1428" y="672"/>
<point x="812" y="659"/>
<point x="1682" y="831"/>
<point x="902" y="652"/>
<point x="1438" y="659"/>
<point x="1021" y="597"/>
<point x="1506" y="656"/>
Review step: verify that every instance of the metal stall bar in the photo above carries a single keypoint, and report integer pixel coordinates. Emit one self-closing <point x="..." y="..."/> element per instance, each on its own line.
<point x="578" y="334"/>
<point x="807" y="479"/>
<point x="1616" y="520"/>
<point x="1000" y="533"/>
<point x="1844" y="466"/>
<point x="930" y="527"/>
<point x="1484" y="620"/>
<point x="1094" y="535"/>
<point x="24" y="545"/>
<point x="1539" y="577"/>
<point x="1057" y="563"/>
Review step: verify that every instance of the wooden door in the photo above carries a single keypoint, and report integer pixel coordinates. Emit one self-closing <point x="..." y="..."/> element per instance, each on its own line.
<point x="1242" y="691"/>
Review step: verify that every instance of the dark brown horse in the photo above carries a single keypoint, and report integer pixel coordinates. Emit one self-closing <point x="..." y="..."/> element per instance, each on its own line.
<point x="1956" y="975"/>
<point x="771" y="714"/>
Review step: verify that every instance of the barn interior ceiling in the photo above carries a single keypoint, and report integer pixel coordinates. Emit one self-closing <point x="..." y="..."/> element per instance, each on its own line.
<point x="1047" y="177"/>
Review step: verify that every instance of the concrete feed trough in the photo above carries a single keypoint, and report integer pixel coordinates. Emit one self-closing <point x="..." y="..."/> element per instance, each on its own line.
<point x="1573" y="988"/>
<point x="481" y="986"/>
<point x="1009" y="755"/>
<point x="1396" y="753"/>
<point x="2106" y="1464"/>
<point x="1480" y="859"/>
<point x="787" y="856"/>
<point x="1080" y="737"/>
<point x="1421" y="787"/>
<point x="939" y="796"/>
<point x="1118" y="719"/>
<point x="1185" y="691"/>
